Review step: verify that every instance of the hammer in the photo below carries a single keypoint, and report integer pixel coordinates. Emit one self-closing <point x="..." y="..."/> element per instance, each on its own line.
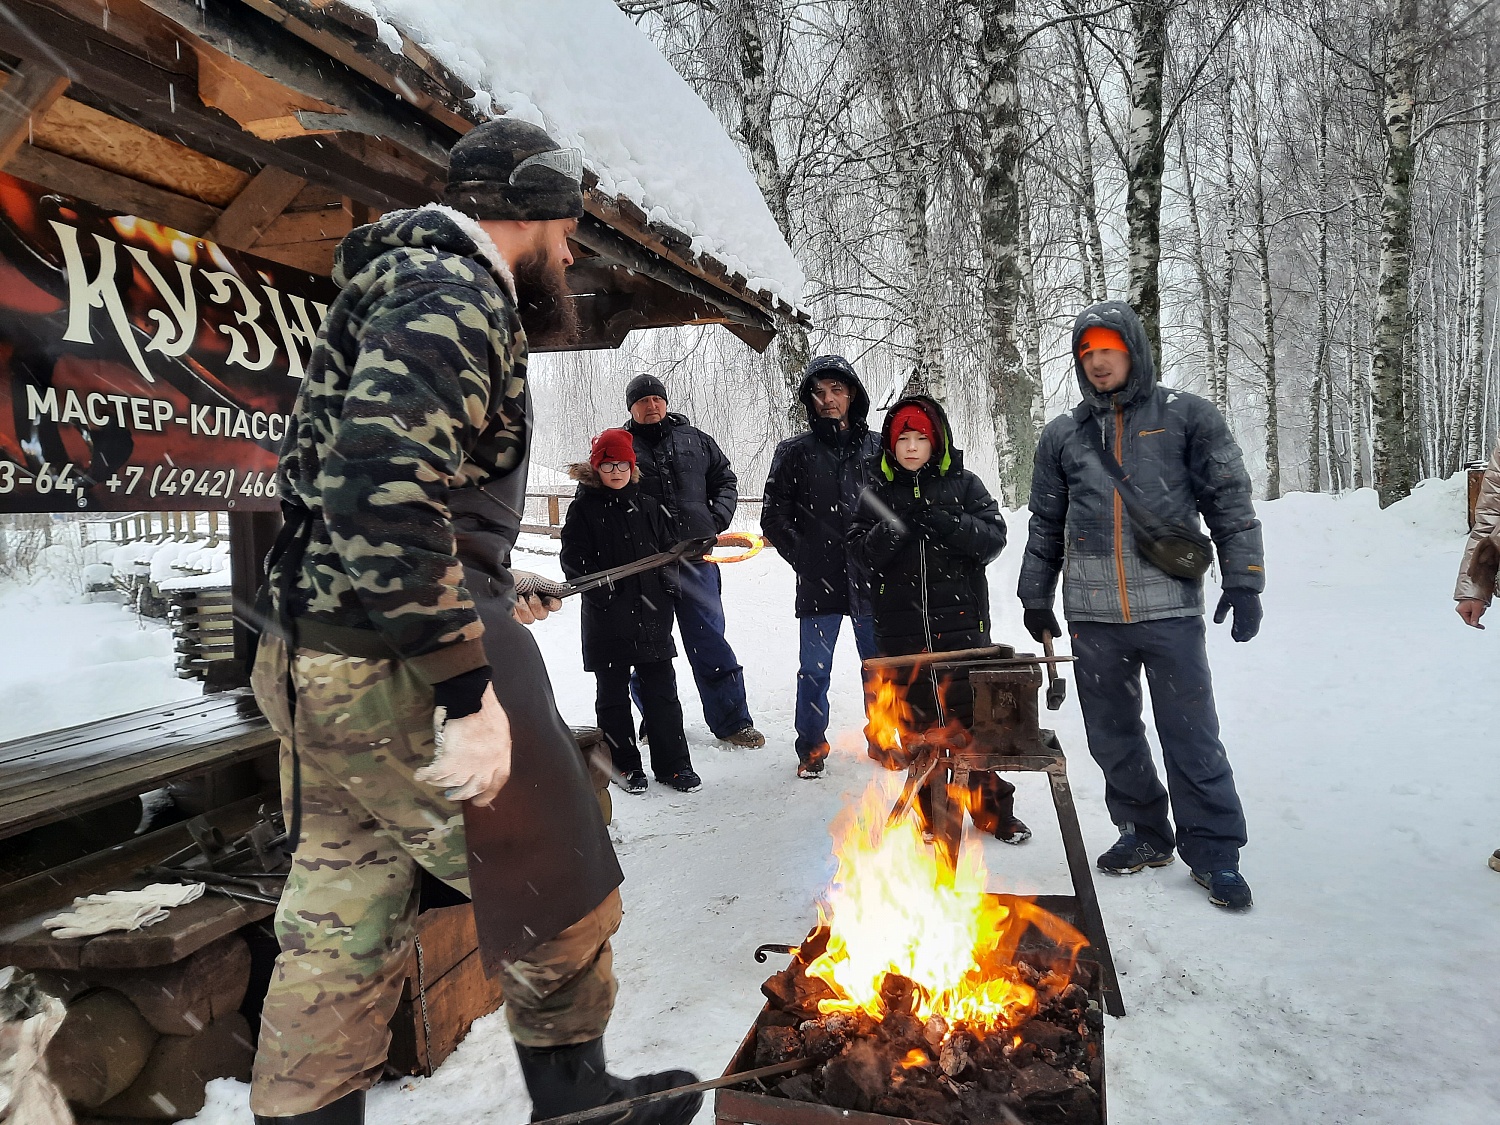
<point x="1057" y="687"/>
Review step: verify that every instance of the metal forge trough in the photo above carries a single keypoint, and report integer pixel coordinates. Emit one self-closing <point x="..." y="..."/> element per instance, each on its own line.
<point x="889" y="1056"/>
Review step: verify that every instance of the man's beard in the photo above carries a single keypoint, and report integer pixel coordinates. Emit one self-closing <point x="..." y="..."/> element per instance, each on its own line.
<point x="547" y="312"/>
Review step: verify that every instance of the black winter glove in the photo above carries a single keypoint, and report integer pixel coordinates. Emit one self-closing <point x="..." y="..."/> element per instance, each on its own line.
<point x="939" y="524"/>
<point x="1040" y="622"/>
<point x="1247" y="613"/>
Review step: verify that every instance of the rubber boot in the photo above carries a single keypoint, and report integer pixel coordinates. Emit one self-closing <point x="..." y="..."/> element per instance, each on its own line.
<point x="348" y="1110"/>
<point x="567" y="1079"/>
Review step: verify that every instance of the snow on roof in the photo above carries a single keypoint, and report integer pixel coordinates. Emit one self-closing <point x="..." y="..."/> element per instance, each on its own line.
<point x="586" y="73"/>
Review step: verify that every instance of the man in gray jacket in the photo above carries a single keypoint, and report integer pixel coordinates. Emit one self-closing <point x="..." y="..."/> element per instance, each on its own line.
<point x="1125" y="613"/>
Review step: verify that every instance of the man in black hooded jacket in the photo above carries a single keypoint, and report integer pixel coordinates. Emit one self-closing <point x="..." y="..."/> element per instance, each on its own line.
<point x="811" y="492"/>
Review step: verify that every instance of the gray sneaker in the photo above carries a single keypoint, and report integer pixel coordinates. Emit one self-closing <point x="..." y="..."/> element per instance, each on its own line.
<point x="1131" y="853"/>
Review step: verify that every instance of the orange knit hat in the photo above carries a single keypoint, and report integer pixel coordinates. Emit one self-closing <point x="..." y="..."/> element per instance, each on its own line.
<point x="1098" y="336"/>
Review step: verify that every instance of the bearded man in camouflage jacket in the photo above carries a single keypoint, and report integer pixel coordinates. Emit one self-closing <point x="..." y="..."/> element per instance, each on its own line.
<point x="420" y="740"/>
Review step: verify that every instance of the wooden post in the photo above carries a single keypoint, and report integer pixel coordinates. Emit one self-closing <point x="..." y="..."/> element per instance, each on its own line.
<point x="30" y="91"/>
<point x="553" y="516"/>
<point x="251" y="535"/>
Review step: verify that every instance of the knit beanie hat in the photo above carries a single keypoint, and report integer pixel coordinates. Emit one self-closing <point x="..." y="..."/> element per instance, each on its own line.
<point x="612" y="445"/>
<point x="1100" y="336"/>
<point x="912" y="417"/>
<point x="644" y="386"/>
<point x="508" y="169"/>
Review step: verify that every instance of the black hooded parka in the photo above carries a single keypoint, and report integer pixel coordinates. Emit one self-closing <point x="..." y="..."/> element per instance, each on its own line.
<point x="927" y="537"/>
<point x="629" y="622"/>
<point x="811" y="493"/>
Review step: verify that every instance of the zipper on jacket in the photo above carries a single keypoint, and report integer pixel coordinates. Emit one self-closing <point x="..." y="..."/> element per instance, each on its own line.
<point x="937" y="695"/>
<point x="1120" y="516"/>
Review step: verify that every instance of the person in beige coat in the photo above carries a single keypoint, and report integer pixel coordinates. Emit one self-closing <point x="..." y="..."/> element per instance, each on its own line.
<point x="1477" y="571"/>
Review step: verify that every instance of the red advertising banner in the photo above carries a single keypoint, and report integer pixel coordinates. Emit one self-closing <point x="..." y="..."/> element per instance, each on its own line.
<point x="141" y="369"/>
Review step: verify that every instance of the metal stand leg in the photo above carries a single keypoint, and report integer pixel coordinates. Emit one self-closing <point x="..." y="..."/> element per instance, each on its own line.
<point x="1090" y="920"/>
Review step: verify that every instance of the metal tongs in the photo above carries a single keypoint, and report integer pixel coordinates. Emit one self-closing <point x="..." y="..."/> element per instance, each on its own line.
<point x="528" y="584"/>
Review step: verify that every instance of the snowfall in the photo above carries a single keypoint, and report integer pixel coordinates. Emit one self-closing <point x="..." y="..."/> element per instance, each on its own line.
<point x="1361" y="724"/>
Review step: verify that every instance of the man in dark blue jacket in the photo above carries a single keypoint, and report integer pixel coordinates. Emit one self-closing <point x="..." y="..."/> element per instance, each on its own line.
<point x="1125" y="612"/>
<point x="811" y="493"/>
<point x="687" y="473"/>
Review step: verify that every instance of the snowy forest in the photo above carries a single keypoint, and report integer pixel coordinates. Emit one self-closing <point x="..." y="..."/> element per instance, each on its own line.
<point x="1295" y="196"/>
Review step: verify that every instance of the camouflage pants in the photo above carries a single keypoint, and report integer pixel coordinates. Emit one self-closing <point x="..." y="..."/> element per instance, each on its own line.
<point x="345" y="920"/>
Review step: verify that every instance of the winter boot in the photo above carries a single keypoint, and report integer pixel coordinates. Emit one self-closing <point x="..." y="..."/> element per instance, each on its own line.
<point x="632" y="782"/>
<point x="568" y="1079"/>
<point x="684" y="781"/>
<point x="348" y="1110"/>
<point x="1495" y="860"/>
<point x="1131" y="853"/>
<point x="748" y="739"/>
<point x="1010" y="830"/>
<point x="1225" y="888"/>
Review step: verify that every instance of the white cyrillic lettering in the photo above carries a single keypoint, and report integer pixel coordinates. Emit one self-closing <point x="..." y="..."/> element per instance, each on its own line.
<point x="119" y="401"/>
<point x="174" y="334"/>
<point x="241" y="425"/>
<point x="221" y="421"/>
<point x="304" y="331"/>
<point x="73" y="409"/>
<point x="198" y="416"/>
<point x="37" y="404"/>
<point x="224" y="286"/>
<point x="258" y="425"/>
<point x="97" y="419"/>
<point x="273" y="423"/>
<point x="161" y="413"/>
<point x="102" y="292"/>
<point x="140" y="413"/>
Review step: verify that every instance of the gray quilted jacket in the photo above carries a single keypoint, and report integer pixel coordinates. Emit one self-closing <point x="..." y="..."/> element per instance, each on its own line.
<point x="1177" y="451"/>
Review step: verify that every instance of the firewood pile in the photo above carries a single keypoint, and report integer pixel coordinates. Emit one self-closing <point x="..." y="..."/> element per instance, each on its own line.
<point x="1047" y="1070"/>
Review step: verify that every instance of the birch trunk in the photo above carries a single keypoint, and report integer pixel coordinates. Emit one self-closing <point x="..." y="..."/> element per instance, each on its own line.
<point x="1011" y="388"/>
<point x="909" y="158"/>
<point x="1200" y="269"/>
<point x="1088" y="188"/>
<point x="756" y="103"/>
<point x="1352" y="375"/>
<point x="1475" y="417"/>
<point x="1231" y="230"/>
<point x="1388" y="370"/>
<point x="1267" y="308"/>
<point x="1145" y="162"/>
<point x="1321" y="375"/>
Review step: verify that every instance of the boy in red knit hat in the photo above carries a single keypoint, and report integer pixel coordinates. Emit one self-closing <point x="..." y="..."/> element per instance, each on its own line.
<point x="627" y="624"/>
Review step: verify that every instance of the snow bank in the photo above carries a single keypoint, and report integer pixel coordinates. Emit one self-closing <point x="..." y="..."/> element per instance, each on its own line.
<point x="586" y="73"/>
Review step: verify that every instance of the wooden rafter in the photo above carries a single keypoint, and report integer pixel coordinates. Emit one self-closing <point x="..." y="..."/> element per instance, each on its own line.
<point x="265" y="197"/>
<point x="28" y="94"/>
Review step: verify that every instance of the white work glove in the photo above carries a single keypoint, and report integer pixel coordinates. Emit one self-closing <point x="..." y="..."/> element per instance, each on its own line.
<point x="536" y="596"/>
<point x="472" y="762"/>
<point x="121" y="910"/>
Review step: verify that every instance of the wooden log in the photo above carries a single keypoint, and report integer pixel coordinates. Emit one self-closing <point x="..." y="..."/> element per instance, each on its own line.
<point x="171" y="1084"/>
<point x="111" y="191"/>
<point x="184" y="998"/>
<point x="101" y="1048"/>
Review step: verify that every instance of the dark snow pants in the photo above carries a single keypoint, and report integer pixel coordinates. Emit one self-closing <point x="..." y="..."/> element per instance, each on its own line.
<point x="656" y="684"/>
<point x="1210" y="821"/>
<point x="716" y="670"/>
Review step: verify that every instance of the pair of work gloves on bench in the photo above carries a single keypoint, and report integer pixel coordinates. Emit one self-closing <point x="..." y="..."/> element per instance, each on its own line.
<point x="1244" y="604"/>
<point x="470" y="728"/>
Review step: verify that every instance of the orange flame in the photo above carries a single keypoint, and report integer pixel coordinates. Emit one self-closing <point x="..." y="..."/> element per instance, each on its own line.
<point x="896" y="907"/>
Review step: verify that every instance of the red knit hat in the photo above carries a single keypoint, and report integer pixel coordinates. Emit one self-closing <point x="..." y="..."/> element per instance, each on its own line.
<point x="912" y="417"/>
<point x="612" y="445"/>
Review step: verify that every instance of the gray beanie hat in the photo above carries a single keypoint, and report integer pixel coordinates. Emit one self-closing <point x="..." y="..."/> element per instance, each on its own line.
<point x="507" y="169"/>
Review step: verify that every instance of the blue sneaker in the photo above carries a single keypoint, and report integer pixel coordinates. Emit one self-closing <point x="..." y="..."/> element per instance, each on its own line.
<point x="1225" y="888"/>
<point x="1131" y="853"/>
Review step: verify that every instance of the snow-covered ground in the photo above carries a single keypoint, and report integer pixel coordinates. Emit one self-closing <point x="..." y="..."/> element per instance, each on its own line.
<point x="1361" y="724"/>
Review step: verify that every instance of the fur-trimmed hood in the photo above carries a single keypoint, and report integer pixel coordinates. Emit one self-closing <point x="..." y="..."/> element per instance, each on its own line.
<point x="432" y="228"/>
<point x="588" y="476"/>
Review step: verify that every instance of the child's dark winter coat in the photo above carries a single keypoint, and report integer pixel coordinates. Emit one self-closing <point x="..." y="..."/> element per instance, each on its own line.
<point x="631" y="621"/>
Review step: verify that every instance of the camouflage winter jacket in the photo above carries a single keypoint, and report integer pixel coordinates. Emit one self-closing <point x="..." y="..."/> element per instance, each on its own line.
<point x="416" y="387"/>
<point x="1177" y="451"/>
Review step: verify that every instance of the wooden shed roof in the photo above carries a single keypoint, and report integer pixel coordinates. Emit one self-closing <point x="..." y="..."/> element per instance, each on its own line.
<point x="277" y="125"/>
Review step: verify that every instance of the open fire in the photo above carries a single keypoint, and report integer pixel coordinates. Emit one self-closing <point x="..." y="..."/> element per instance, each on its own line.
<point x="919" y="995"/>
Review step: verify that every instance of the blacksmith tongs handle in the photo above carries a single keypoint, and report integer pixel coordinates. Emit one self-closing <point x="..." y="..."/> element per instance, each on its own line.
<point x="760" y="954"/>
<point x="550" y="588"/>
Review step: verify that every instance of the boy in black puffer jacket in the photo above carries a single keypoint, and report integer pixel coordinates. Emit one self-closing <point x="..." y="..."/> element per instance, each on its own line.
<point x="927" y="528"/>
<point x="628" y="624"/>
